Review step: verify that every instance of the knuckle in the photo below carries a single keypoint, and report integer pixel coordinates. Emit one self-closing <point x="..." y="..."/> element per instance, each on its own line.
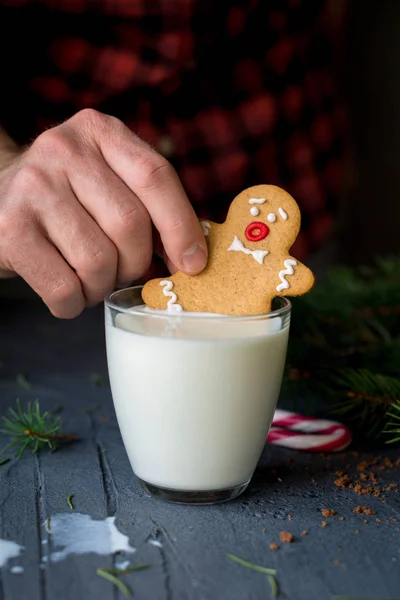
<point x="129" y="221"/>
<point x="93" y="120"/>
<point x="173" y="224"/>
<point x="54" y="141"/>
<point x="98" y="260"/>
<point x="63" y="293"/>
<point x="153" y="171"/>
<point x="30" y="178"/>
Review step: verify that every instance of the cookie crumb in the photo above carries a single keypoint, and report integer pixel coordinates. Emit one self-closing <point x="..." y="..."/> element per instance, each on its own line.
<point x="274" y="546"/>
<point x="337" y="562"/>
<point x="264" y="530"/>
<point x="341" y="518"/>
<point x="328" y="512"/>
<point x="304" y="532"/>
<point x="343" y="481"/>
<point x="363" y="510"/>
<point x="357" y="531"/>
<point x="324" y="524"/>
<point x="286" y="537"/>
<point x="290" y="518"/>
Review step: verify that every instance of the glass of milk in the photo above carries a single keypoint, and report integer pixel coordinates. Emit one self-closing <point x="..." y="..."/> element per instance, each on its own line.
<point x="194" y="394"/>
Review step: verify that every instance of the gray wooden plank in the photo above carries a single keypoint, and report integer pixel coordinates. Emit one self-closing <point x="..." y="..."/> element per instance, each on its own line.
<point x="191" y="563"/>
<point x="196" y="540"/>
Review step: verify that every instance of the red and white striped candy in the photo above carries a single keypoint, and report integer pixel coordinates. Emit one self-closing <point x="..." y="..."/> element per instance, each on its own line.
<point x="308" y="433"/>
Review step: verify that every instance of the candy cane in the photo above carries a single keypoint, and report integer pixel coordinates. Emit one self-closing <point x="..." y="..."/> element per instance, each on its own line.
<point x="308" y="433"/>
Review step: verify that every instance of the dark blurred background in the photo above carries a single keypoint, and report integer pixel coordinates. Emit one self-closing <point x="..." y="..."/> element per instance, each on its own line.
<point x="368" y="224"/>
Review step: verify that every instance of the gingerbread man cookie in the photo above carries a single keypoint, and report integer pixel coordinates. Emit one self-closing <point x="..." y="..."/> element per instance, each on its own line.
<point x="249" y="261"/>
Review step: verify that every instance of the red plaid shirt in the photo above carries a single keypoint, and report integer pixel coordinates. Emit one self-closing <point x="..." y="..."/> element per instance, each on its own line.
<point x="233" y="92"/>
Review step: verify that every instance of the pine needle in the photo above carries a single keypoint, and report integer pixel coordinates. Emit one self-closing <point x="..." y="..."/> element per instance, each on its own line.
<point x="270" y="573"/>
<point x="4" y="461"/>
<point x="127" y="570"/>
<point x="345" y="348"/>
<point x="32" y="430"/>
<point x="69" y="501"/>
<point x="23" y="382"/>
<point x="123" y="588"/>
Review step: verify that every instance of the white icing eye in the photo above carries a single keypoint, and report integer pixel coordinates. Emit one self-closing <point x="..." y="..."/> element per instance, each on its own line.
<point x="271" y="218"/>
<point x="254" y="211"/>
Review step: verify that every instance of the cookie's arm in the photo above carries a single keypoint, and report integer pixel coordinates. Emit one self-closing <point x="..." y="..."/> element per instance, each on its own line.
<point x="294" y="278"/>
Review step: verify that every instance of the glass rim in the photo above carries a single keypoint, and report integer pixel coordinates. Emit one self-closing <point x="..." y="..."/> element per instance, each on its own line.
<point x="279" y="312"/>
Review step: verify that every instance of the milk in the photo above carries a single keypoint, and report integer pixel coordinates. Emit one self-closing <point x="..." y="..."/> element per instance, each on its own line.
<point x="194" y="396"/>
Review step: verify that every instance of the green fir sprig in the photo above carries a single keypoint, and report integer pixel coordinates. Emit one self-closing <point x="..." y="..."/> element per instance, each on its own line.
<point x="344" y="350"/>
<point x="32" y="430"/>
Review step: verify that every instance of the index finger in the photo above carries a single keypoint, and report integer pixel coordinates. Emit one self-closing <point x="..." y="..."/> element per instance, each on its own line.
<point x="153" y="179"/>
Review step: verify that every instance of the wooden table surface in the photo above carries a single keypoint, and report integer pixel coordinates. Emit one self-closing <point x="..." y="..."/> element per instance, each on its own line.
<point x="353" y="555"/>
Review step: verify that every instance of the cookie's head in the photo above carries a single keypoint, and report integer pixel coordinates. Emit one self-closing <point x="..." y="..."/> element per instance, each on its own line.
<point x="265" y="217"/>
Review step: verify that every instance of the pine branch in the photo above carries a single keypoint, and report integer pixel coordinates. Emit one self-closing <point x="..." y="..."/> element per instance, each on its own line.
<point x="393" y="427"/>
<point x="345" y="346"/>
<point x="32" y="430"/>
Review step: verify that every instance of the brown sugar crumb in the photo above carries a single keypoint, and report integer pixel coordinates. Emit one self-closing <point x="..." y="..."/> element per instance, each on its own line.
<point x="363" y="477"/>
<point x="366" y="464"/>
<point x="343" y="481"/>
<point x="391" y="486"/>
<point x="304" y="532"/>
<point x="341" y="518"/>
<point x="286" y="537"/>
<point x="337" y="562"/>
<point x="363" y="510"/>
<point x="274" y="546"/>
<point x="324" y="524"/>
<point x="328" y="512"/>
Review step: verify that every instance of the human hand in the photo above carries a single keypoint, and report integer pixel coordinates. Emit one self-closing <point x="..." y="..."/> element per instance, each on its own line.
<point x="77" y="208"/>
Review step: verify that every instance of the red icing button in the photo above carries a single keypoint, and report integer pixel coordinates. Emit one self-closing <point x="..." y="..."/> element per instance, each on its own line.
<point x="256" y="231"/>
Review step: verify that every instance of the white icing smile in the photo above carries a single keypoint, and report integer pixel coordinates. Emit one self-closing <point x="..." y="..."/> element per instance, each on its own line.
<point x="238" y="246"/>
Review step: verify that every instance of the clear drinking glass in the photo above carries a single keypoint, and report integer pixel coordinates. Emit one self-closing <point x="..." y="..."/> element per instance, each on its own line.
<point x="194" y="394"/>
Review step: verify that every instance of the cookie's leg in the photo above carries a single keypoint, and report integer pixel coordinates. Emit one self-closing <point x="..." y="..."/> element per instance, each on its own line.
<point x="160" y="294"/>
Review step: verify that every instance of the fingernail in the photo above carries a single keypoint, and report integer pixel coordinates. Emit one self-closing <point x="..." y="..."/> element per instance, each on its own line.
<point x="194" y="260"/>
